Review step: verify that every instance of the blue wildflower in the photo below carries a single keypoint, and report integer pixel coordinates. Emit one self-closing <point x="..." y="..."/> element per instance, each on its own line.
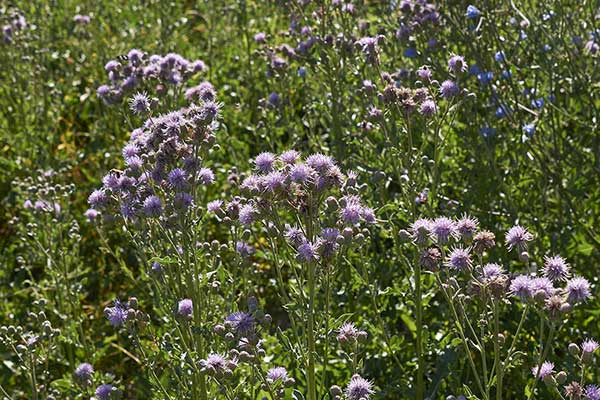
<point x="472" y="12"/>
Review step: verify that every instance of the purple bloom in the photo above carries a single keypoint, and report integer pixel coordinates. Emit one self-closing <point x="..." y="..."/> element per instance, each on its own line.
<point x="214" y="206"/>
<point x="578" y="289"/>
<point x="449" y="89"/>
<point x="307" y="252"/>
<point x="592" y="392"/>
<point x="247" y="214"/>
<point x="84" y="372"/>
<point x="295" y="236"/>
<point x="517" y="236"/>
<point x="242" y="322"/>
<point x="274" y="180"/>
<point x="260" y="37"/>
<point x="206" y="176"/>
<point x="301" y="173"/>
<point x="421" y="230"/>
<point x="359" y="388"/>
<point x="289" y="156"/>
<point x="139" y="103"/>
<point x="91" y="214"/>
<point x="555" y="268"/>
<point x="214" y="363"/>
<point x="457" y="64"/>
<point x="472" y="12"/>
<point x="466" y="227"/>
<point x="543" y="285"/>
<point x="264" y="162"/>
<point x="103" y="391"/>
<point x="546" y="369"/>
<point x="428" y="108"/>
<point x="274" y="99"/>
<point x="442" y="229"/>
<point x="424" y="74"/>
<point x="522" y="286"/>
<point x="244" y="249"/>
<point x="130" y="150"/>
<point x="492" y="270"/>
<point x="589" y="346"/>
<point x="185" y="308"/>
<point x="459" y="259"/>
<point x="97" y="198"/>
<point x="351" y="213"/>
<point x="117" y="314"/>
<point x="276" y="374"/>
<point x="177" y="179"/>
<point x="320" y="162"/>
<point x="152" y="206"/>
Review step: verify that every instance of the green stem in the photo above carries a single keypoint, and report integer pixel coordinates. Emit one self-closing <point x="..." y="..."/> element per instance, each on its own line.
<point x="419" y="323"/>
<point x="312" y="387"/>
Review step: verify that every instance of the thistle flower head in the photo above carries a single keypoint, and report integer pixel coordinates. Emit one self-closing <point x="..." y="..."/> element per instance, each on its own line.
<point x="546" y="369"/>
<point x="578" y="289"/>
<point x="359" y="388"/>
<point x="241" y="322"/>
<point x="117" y="314"/>
<point x="521" y="286"/>
<point x="517" y="237"/>
<point x="459" y="259"/>
<point x="442" y="229"/>
<point x="555" y="268"/>
<point x="185" y="308"/>
<point x="276" y="374"/>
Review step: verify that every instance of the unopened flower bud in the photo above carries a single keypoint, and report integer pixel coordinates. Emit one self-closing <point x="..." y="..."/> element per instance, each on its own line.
<point x="524" y="256"/>
<point x="561" y="377"/>
<point x="574" y="349"/>
<point x="335" y="390"/>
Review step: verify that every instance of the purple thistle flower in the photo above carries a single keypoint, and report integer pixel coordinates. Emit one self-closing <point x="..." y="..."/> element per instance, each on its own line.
<point x="104" y="391"/>
<point x="295" y="236"/>
<point x="177" y="179"/>
<point x="546" y="369"/>
<point x="424" y="74"/>
<point x="307" y="252"/>
<point x="467" y="227"/>
<point x="289" y="156"/>
<point x="369" y="215"/>
<point x="521" y="286"/>
<point x="517" y="236"/>
<point x="185" y="308"/>
<point x="274" y="180"/>
<point x="449" y="89"/>
<point x="421" y="230"/>
<point x="139" y="103"/>
<point x="351" y="213"/>
<point x="359" y="388"/>
<point x="459" y="259"/>
<point x="274" y="99"/>
<point x="457" y="64"/>
<point x="320" y="162"/>
<point x="301" y="173"/>
<point x="244" y="249"/>
<point x="260" y="37"/>
<point x="130" y="150"/>
<point x="472" y="12"/>
<point x="276" y="374"/>
<point x="214" y="363"/>
<point x="555" y="268"/>
<point x="592" y="392"/>
<point x="242" y="322"/>
<point x="152" y="206"/>
<point x="428" y="108"/>
<point x="206" y="176"/>
<point x="214" y="206"/>
<point x="97" y="198"/>
<point x="117" y="314"/>
<point x="589" y="346"/>
<point x="543" y="285"/>
<point x="578" y="289"/>
<point x="442" y="229"/>
<point x="492" y="270"/>
<point x="84" y="372"/>
<point x="91" y="214"/>
<point x="247" y="214"/>
<point x="347" y="333"/>
<point x="264" y="162"/>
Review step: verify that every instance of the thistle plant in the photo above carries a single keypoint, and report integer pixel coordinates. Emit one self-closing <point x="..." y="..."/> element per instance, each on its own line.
<point x="310" y="215"/>
<point x="479" y="294"/>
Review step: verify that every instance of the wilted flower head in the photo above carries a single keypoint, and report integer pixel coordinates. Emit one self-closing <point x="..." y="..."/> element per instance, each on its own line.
<point x="483" y="241"/>
<point x="359" y="388"/>
<point x="517" y="237"/>
<point x="421" y="230"/>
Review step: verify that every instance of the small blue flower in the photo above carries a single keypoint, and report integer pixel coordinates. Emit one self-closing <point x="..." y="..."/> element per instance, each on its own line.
<point x="537" y="103"/>
<point x="302" y="72"/>
<point x="529" y="129"/>
<point x="410" y="52"/>
<point x="487" y="132"/>
<point x="485" y="77"/>
<point x="474" y="70"/>
<point x="500" y="56"/>
<point x="507" y="74"/>
<point x="502" y="111"/>
<point x="523" y="35"/>
<point x="472" y="12"/>
<point x="547" y="47"/>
